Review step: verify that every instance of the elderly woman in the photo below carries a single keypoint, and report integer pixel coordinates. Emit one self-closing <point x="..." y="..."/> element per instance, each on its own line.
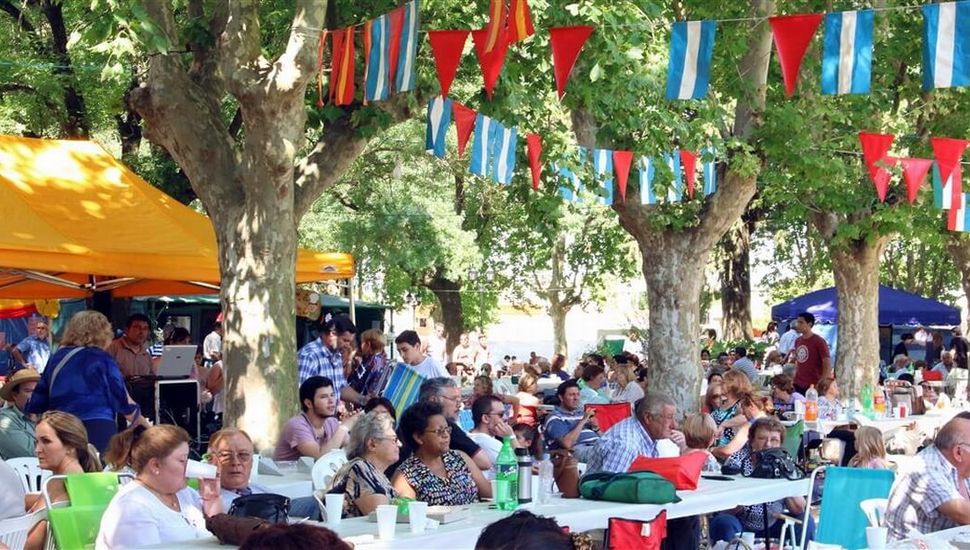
<point x="528" y="402"/>
<point x="434" y="473"/>
<point x="728" y="415"/>
<point x="157" y="508"/>
<point x="373" y="448"/>
<point x="829" y="407"/>
<point x="84" y="380"/>
<point x="783" y="394"/>
<point x="628" y="390"/>
<point x="765" y="433"/>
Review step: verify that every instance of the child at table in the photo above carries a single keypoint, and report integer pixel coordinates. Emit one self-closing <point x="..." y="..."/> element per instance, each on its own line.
<point x="870" y="449"/>
<point x="700" y="432"/>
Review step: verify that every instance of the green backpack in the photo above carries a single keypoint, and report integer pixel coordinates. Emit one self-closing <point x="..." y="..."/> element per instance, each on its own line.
<point x="633" y="488"/>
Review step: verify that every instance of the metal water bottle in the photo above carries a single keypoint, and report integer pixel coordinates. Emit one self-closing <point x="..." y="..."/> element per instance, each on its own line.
<point x="525" y="475"/>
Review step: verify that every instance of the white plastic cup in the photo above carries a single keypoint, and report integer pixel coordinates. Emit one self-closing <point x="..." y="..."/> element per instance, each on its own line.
<point x="334" y="503"/>
<point x="748" y="538"/>
<point x="494" y="484"/>
<point x="417" y="515"/>
<point x="386" y="521"/>
<point x="876" y="537"/>
<point x="200" y="470"/>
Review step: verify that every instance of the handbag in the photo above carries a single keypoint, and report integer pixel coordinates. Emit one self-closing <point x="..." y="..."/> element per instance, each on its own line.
<point x="636" y="534"/>
<point x="775" y="463"/>
<point x="682" y="471"/>
<point x="234" y="530"/>
<point x="268" y="506"/>
<point x="565" y="471"/>
<point x="632" y="488"/>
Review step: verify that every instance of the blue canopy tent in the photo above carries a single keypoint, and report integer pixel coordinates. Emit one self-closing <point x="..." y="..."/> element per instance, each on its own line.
<point x="896" y="308"/>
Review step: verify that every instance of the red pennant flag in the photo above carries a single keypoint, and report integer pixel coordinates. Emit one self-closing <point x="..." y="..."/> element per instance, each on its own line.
<point x="914" y="173"/>
<point x="792" y="34"/>
<point x="883" y="177"/>
<point x="394" y="46"/>
<point x="520" y="21"/>
<point x="490" y="61"/>
<point x="446" y="46"/>
<point x="566" y="43"/>
<point x="874" y="149"/>
<point x="342" y="67"/>
<point x="688" y="162"/>
<point x="497" y="17"/>
<point x="534" y="145"/>
<point x="621" y="164"/>
<point x="464" y="122"/>
<point x="948" y="152"/>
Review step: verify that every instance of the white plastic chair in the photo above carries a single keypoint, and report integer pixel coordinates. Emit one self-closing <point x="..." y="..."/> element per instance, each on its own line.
<point x="14" y="531"/>
<point x="31" y="475"/>
<point x="875" y="510"/>
<point x="325" y="468"/>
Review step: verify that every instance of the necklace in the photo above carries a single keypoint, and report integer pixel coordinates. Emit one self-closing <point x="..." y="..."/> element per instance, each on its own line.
<point x="171" y="501"/>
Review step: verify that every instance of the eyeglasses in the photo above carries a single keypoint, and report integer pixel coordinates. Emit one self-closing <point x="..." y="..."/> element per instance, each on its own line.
<point x="393" y="438"/>
<point x="440" y="432"/>
<point x="229" y="456"/>
<point x="452" y="399"/>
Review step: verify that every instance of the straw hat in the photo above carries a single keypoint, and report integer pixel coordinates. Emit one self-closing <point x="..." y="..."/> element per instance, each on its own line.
<point x="18" y="378"/>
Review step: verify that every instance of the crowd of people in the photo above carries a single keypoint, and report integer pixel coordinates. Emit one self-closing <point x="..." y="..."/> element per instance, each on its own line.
<point x="66" y="413"/>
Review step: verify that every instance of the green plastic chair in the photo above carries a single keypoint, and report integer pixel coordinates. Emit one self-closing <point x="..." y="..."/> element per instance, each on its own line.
<point x="841" y="519"/>
<point x="793" y="438"/>
<point x="75" y="524"/>
<point x="92" y="489"/>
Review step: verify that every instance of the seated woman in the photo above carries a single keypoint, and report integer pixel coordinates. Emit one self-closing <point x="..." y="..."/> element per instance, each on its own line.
<point x="483" y="386"/>
<point x="372" y="448"/>
<point x="434" y="473"/>
<point x="766" y="433"/>
<point x="870" y="449"/>
<point x="381" y="405"/>
<point x="592" y="385"/>
<point x="829" y="406"/>
<point x="783" y="394"/>
<point x="157" y="508"/>
<point x="627" y="389"/>
<point x="753" y="407"/>
<point x="528" y="402"/>
<point x="713" y="399"/>
<point x="62" y="448"/>
<point x="525" y="530"/>
<point x="699" y="435"/>
<point x="728" y="415"/>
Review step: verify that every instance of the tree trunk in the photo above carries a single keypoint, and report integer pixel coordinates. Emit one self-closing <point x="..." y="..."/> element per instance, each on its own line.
<point x="735" y="278"/>
<point x="448" y="293"/>
<point x="856" y="271"/>
<point x="959" y="246"/>
<point x="76" y="124"/>
<point x="558" y="315"/>
<point x="559" y="306"/>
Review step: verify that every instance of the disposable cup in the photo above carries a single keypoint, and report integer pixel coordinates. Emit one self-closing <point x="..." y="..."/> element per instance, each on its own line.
<point x="417" y="515"/>
<point x="334" y="503"/>
<point x="876" y="537"/>
<point x="200" y="470"/>
<point x="494" y="485"/>
<point x="386" y="521"/>
<point x="748" y="538"/>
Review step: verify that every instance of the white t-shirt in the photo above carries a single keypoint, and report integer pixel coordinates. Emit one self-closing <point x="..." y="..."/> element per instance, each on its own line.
<point x="137" y="518"/>
<point x="429" y="368"/>
<point x="12" y="495"/>
<point x="212" y="343"/>
<point x="787" y="341"/>
<point x="491" y="446"/>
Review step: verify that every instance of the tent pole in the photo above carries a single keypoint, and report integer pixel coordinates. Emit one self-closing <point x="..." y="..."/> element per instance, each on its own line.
<point x="351" y="283"/>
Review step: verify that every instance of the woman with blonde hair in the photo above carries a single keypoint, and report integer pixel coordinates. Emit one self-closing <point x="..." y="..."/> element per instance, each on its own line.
<point x="870" y="449"/>
<point x="82" y="379"/>
<point x="628" y="390"/>
<point x="528" y="402"/>
<point x="699" y="434"/>
<point x="727" y="416"/>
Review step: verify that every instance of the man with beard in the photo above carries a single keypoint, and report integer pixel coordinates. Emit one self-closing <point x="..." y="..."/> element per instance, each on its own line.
<point x="316" y="430"/>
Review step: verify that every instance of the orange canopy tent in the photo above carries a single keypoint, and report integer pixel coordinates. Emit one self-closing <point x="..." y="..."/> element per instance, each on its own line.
<point x="76" y="221"/>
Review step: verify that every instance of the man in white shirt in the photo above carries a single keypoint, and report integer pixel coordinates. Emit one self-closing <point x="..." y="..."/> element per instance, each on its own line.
<point x="409" y="347"/>
<point x="212" y="345"/>
<point x="464" y="352"/>
<point x="483" y="354"/>
<point x="787" y="341"/>
<point x="490" y="425"/>
<point x="437" y="345"/>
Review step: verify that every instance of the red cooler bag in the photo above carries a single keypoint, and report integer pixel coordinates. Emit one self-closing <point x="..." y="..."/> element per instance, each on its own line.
<point x="634" y="534"/>
<point x="682" y="471"/>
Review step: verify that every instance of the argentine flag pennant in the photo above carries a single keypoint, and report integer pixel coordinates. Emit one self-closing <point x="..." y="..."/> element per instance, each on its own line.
<point x="946" y="45"/>
<point x="676" y="189"/>
<point x="566" y="191"/>
<point x="439" y="117"/>
<point x="710" y="170"/>
<point x="957" y="217"/>
<point x="691" y="47"/>
<point x="503" y="142"/>
<point x="481" y="152"/>
<point x="847" y="52"/>
<point x="943" y="192"/>
<point x="404" y="79"/>
<point x="376" y="85"/>
<point x="647" y="196"/>
<point x="603" y="166"/>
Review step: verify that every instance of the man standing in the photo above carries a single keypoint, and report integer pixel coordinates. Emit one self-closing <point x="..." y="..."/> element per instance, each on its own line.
<point x="936" y="495"/>
<point x="744" y="364"/>
<point x="130" y="351"/>
<point x="464" y="352"/>
<point x="316" y="430"/>
<point x="483" y="354"/>
<point x="568" y="427"/>
<point x="323" y="356"/>
<point x="34" y="350"/>
<point x="812" y="361"/>
<point x="787" y="341"/>
<point x="409" y="348"/>
<point x="212" y="345"/>
<point x="959" y="346"/>
<point x="17" y="437"/>
<point x="490" y="428"/>
<point x="437" y="344"/>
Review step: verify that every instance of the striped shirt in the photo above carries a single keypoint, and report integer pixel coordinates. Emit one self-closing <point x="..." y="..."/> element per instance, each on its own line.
<point x="316" y="359"/>
<point x="917" y="494"/>
<point x="620" y="446"/>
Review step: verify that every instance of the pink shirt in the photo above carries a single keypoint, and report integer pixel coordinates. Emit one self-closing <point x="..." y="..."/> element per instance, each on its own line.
<point x="299" y="430"/>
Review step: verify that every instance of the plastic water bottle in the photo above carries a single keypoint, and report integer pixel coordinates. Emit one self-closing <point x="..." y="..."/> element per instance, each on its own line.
<point x="811" y="404"/>
<point x="506" y="477"/>
<point x="524" y="476"/>
<point x="546" y="480"/>
<point x="866" y="399"/>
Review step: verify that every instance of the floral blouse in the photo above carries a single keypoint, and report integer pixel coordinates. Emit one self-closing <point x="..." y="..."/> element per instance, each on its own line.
<point x="457" y="489"/>
<point x="723" y="415"/>
<point x="357" y="479"/>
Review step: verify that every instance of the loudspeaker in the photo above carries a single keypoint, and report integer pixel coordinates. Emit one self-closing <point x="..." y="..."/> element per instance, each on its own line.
<point x="177" y="402"/>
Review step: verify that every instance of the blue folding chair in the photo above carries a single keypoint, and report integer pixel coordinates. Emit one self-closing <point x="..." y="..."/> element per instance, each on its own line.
<point x="841" y="519"/>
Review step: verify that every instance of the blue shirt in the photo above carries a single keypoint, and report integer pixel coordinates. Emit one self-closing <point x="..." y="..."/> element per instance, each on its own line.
<point x="560" y="422"/>
<point x="620" y="446"/>
<point x="89" y="386"/>
<point x="36" y="351"/>
<point x="316" y="359"/>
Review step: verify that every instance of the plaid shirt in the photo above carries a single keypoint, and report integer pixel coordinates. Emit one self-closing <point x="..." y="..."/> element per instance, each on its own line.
<point x="315" y="359"/>
<point x="620" y="446"/>
<point x="753" y="517"/>
<point x="916" y="495"/>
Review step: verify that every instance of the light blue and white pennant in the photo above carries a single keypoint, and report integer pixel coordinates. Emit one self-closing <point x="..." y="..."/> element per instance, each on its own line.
<point x="603" y="167"/>
<point x="647" y="195"/>
<point x="676" y="189"/>
<point x="503" y="143"/>
<point x="847" y="52"/>
<point x="691" y="47"/>
<point x="407" y="54"/>
<point x="481" y="146"/>
<point x="946" y="45"/>
<point x="710" y="170"/>
<point x="376" y="85"/>
<point x="439" y="117"/>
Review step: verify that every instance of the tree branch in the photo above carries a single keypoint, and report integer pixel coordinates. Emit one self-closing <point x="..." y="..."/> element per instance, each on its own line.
<point x="18" y="16"/>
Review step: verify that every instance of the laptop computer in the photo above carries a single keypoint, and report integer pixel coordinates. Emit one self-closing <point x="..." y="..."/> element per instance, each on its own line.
<point x="177" y="362"/>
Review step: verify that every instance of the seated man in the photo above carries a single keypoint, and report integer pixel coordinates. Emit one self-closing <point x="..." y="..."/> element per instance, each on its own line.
<point x="568" y="427"/>
<point x="316" y="431"/>
<point x="765" y="433"/>
<point x="744" y="364"/>
<point x="17" y="438"/>
<point x="934" y="495"/>
<point x="488" y="413"/>
<point x="231" y="451"/>
<point x="946" y="363"/>
<point x="637" y="435"/>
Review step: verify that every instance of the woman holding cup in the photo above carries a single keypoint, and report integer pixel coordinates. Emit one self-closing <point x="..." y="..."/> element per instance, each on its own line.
<point x="372" y="448"/>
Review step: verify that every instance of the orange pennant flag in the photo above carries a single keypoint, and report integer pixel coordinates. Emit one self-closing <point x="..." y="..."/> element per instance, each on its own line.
<point x="520" y="21"/>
